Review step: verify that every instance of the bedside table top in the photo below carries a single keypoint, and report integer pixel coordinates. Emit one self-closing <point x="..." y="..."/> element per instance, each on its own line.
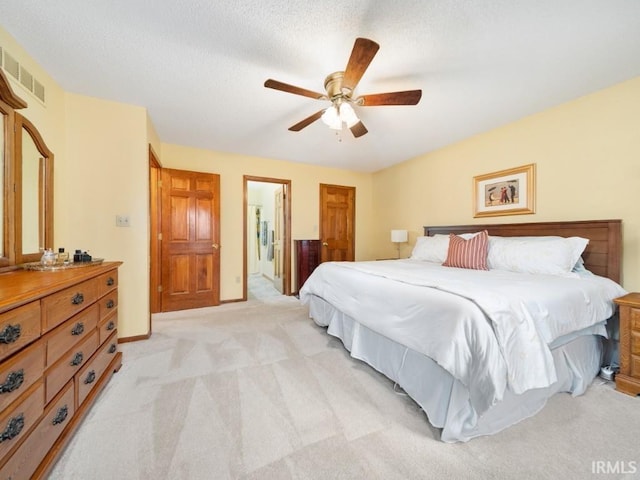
<point x="631" y="299"/>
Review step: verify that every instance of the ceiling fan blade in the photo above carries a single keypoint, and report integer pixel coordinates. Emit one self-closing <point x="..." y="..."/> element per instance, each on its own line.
<point x="358" y="129"/>
<point x="285" y="87"/>
<point x="409" y="97"/>
<point x="307" y="121"/>
<point x="363" y="52"/>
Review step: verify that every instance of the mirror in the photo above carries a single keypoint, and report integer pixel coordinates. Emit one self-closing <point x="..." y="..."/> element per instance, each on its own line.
<point x="32" y="205"/>
<point x="26" y="177"/>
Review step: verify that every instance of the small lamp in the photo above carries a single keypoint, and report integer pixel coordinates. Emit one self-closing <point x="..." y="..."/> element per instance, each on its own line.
<point x="398" y="237"/>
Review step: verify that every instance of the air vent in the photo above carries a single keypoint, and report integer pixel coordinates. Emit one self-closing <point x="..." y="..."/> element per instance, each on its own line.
<point x="26" y="79"/>
<point x="24" y="76"/>
<point x="38" y="90"/>
<point x="12" y="66"/>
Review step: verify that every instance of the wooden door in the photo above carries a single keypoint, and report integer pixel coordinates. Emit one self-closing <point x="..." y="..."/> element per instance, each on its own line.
<point x="337" y="223"/>
<point x="190" y="240"/>
<point x="278" y="235"/>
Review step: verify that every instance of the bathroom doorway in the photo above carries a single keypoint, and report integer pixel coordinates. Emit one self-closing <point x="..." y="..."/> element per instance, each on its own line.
<point x="267" y="239"/>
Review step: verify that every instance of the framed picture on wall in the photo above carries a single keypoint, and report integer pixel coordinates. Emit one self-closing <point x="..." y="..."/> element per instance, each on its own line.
<point x="507" y="192"/>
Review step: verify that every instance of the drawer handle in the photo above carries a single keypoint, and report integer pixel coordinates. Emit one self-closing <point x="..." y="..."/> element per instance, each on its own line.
<point x="77" y="299"/>
<point x="111" y="303"/>
<point x="110" y="281"/>
<point x="78" y="329"/>
<point x="111" y="325"/>
<point x="77" y="359"/>
<point x="13" y="382"/>
<point x="91" y="376"/>
<point x="10" y="334"/>
<point x="14" y="427"/>
<point x="113" y="348"/>
<point x="61" y="415"/>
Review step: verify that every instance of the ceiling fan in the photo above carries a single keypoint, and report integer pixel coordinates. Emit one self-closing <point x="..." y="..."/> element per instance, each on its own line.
<point x="340" y="87"/>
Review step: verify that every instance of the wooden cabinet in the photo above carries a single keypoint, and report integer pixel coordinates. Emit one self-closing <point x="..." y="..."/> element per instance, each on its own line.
<point x="307" y="259"/>
<point x="58" y="349"/>
<point x="628" y="379"/>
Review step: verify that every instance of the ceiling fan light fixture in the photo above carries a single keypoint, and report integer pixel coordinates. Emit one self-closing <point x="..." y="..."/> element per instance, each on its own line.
<point x="336" y="115"/>
<point x="348" y="115"/>
<point x="331" y="118"/>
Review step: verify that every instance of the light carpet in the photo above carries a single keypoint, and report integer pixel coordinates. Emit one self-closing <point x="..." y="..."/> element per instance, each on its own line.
<point x="260" y="287"/>
<point x="256" y="390"/>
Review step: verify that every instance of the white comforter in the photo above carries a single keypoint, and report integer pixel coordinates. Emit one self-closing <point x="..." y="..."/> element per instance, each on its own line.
<point x="489" y="329"/>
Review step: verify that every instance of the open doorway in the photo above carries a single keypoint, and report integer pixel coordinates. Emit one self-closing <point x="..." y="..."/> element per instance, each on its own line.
<point x="267" y="238"/>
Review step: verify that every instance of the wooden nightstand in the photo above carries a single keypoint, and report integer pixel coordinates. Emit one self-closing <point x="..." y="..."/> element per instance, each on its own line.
<point x="628" y="379"/>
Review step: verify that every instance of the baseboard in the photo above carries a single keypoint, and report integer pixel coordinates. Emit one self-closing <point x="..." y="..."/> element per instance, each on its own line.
<point x="233" y="300"/>
<point x="135" y="338"/>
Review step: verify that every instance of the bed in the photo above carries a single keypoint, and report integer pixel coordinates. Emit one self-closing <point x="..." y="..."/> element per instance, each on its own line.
<point x="479" y="349"/>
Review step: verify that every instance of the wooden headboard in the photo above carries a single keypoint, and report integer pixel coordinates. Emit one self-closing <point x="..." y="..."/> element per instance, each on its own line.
<point x="602" y="255"/>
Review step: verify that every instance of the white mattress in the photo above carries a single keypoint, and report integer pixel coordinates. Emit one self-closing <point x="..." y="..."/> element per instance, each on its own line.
<point x="445" y="400"/>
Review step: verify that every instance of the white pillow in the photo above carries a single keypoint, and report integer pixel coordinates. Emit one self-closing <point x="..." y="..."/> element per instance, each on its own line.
<point x="434" y="248"/>
<point x="431" y="249"/>
<point x="545" y="255"/>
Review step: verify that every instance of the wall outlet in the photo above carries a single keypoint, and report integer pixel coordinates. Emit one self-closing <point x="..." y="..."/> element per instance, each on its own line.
<point x="122" y="221"/>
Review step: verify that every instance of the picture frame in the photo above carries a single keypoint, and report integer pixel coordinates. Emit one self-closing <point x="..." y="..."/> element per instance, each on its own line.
<point x="506" y="192"/>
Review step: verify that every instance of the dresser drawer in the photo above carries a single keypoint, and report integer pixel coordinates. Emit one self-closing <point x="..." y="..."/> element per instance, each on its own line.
<point x="107" y="326"/>
<point x="90" y="374"/>
<point x="108" y="303"/>
<point x="71" y="332"/>
<point x="17" y="420"/>
<point x="61" y="306"/>
<point x="19" y="327"/>
<point x="25" y="460"/>
<point x="20" y="372"/>
<point x="69" y="364"/>
<point x="108" y="281"/>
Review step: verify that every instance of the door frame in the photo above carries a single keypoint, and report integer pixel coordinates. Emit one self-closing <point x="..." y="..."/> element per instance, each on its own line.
<point x="155" y="257"/>
<point x="287" y="230"/>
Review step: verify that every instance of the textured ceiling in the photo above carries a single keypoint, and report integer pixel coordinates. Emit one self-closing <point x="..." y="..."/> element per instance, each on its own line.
<point x="199" y="66"/>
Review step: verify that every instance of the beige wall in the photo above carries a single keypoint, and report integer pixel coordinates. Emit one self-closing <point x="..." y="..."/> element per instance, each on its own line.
<point x="305" y="181"/>
<point x="587" y="154"/>
<point x="103" y="174"/>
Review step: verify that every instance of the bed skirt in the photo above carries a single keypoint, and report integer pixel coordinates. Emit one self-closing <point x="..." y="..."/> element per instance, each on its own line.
<point x="444" y="399"/>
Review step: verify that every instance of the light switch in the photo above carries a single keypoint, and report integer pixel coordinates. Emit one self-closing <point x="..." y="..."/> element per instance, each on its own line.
<point x="122" y="221"/>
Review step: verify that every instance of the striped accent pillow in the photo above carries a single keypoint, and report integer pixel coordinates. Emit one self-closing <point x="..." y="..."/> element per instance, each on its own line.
<point x="471" y="253"/>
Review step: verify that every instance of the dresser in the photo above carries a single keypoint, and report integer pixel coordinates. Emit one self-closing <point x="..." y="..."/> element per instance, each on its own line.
<point x="307" y="259"/>
<point x="628" y="379"/>
<point x="58" y="349"/>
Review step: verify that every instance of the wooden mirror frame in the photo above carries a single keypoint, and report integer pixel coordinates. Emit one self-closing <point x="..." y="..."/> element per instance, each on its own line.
<point x="45" y="188"/>
<point x="6" y="110"/>
<point x="14" y="128"/>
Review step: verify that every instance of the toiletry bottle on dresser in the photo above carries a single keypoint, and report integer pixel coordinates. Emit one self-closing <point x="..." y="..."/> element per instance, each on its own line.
<point x="63" y="257"/>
